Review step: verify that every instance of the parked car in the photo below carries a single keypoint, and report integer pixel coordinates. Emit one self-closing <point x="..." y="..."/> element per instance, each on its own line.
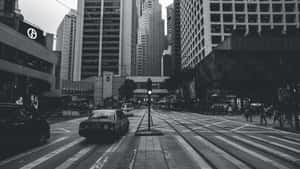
<point x="19" y="126"/>
<point x="104" y="123"/>
<point x="219" y="108"/>
<point x="127" y="108"/>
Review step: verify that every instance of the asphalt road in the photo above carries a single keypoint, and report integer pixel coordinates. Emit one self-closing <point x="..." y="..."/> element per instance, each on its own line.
<point x="189" y="141"/>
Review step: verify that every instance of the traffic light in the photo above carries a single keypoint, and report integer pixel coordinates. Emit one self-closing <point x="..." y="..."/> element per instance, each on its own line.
<point x="149" y="86"/>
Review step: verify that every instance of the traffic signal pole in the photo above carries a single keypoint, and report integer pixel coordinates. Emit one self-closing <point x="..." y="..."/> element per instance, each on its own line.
<point x="149" y="111"/>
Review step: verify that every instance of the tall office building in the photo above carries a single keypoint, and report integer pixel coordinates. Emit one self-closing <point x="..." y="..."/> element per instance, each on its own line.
<point x="104" y="37"/>
<point x="170" y="23"/>
<point x="65" y="43"/>
<point x="176" y="50"/>
<point x="204" y="24"/>
<point x="150" y="39"/>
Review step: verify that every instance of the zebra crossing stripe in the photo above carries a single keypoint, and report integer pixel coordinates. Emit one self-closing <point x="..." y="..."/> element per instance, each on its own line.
<point x="75" y="158"/>
<point x="285" y="140"/>
<point x="51" y="155"/>
<point x="276" y="144"/>
<point x="227" y="156"/>
<point x="252" y="153"/>
<point x="270" y="150"/>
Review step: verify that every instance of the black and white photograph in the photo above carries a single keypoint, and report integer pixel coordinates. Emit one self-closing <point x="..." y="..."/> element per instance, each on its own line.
<point x="149" y="84"/>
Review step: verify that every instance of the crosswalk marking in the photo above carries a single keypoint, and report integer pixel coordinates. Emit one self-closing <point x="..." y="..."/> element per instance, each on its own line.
<point x="252" y="153"/>
<point x="292" y="138"/>
<point x="197" y="158"/>
<point x="51" y="155"/>
<point x="68" y="163"/>
<point x="227" y="156"/>
<point x="32" y="151"/>
<point x="270" y="150"/>
<point x="99" y="164"/>
<point x="276" y="144"/>
<point x="285" y="140"/>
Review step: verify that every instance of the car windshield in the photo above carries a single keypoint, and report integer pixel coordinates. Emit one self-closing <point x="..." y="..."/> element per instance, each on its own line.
<point x="103" y="115"/>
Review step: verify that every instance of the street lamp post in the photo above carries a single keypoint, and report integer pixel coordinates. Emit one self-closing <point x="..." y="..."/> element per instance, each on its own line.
<point x="149" y="92"/>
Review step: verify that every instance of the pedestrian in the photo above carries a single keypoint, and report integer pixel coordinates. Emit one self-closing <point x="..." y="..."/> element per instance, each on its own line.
<point x="20" y="101"/>
<point x="263" y="114"/>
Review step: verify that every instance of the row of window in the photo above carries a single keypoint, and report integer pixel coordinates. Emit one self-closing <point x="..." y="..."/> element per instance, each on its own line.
<point x="254" y="18"/>
<point x="251" y="7"/>
<point x="16" y="56"/>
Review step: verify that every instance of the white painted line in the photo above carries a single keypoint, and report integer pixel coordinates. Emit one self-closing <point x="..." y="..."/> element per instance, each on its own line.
<point x="227" y="156"/>
<point x="133" y="159"/>
<point x="31" y="151"/>
<point x="285" y="140"/>
<point x="270" y="150"/>
<point x="276" y="144"/>
<point x="68" y="163"/>
<point x="252" y="153"/>
<point x="99" y="164"/>
<point x="292" y="138"/>
<point x="238" y="128"/>
<point x="197" y="158"/>
<point x="217" y="123"/>
<point x="61" y="129"/>
<point x="51" y="155"/>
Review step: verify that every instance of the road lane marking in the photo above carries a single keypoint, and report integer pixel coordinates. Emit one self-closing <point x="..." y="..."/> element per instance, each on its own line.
<point x="292" y="138"/>
<point x="60" y="129"/>
<point x="285" y="140"/>
<point x="276" y="144"/>
<point x="51" y="155"/>
<point x="270" y="150"/>
<point x="227" y="156"/>
<point x="216" y="123"/>
<point x="196" y="157"/>
<point x="252" y="153"/>
<point x="99" y="164"/>
<point x="68" y="163"/>
<point x="31" y="151"/>
<point x="131" y="164"/>
<point x="240" y="127"/>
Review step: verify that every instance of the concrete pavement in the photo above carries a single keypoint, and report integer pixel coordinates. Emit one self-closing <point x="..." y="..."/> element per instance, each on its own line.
<point x="189" y="141"/>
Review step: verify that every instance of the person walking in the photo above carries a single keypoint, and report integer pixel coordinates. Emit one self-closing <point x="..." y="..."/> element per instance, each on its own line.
<point x="263" y="114"/>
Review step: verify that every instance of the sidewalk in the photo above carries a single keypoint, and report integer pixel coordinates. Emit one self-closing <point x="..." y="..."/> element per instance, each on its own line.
<point x="256" y="121"/>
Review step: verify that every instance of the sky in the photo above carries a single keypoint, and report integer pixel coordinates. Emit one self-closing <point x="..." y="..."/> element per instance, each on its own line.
<point x="47" y="14"/>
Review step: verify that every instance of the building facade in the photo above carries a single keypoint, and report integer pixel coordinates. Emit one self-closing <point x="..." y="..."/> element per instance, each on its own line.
<point x="103" y="37"/>
<point x="26" y="66"/>
<point x="150" y="43"/>
<point x="65" y="43"/>
<point x="205" y="24"/>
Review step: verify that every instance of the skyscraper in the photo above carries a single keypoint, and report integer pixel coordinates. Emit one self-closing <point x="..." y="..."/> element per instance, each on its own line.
<point x="204" y="24"/>
<point x="150" y="39"/>
<point x="104" y="37"/>
<point x="66" y="44"/>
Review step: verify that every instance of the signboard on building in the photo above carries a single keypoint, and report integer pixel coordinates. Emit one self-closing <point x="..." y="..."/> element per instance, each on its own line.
<point x="32" y="32"/>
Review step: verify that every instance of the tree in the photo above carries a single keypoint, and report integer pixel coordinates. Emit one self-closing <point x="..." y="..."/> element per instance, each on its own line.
<point x="127" y="89"/>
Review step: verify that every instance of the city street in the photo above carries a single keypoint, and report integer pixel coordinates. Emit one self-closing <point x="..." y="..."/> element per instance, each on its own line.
<point x="189" y="141"/>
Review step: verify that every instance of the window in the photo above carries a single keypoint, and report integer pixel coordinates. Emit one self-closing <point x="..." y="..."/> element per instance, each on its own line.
<point x="277" y="18"/>
<point x="216" y="39"/>
<point x="252" y="18"/>
<point x="252" y="7"/>
<point x="265" y="29"/>
<point x="264" y="7"/>
<point x="265" y="18"/>
<point x="290" y="18"/>
<point x="227" y="18"/>
<point x="289" y="7"/>
<point x="241" y="28"/>
<point x="277" y="7"/>
<point x="228" y="28"/>
<point x="215" y="17"/>
<point x="253" y="28"/>
<point x="215" y="28"/>
<point x="239" y="7"/>
<point x="240" y="18"/>
<point x="227" y="7"/>
<point x="215" y="7"/>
